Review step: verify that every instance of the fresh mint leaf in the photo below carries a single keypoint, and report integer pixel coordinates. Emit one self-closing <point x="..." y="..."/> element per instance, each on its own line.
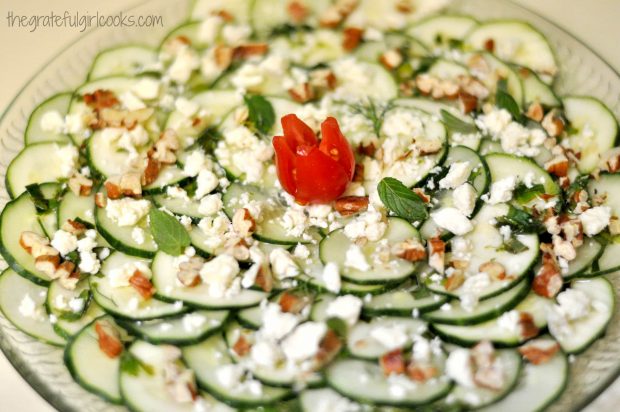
<point x="524" y="194"/>
<point x="42" y="204"/>
<point x="169" y="234"/>
<point x="401" y="201"/>
<point x="504" y="100"/>
<point x="455" y="124"/>
<point x="260" y="112"/>
<point x="514" y="246"/>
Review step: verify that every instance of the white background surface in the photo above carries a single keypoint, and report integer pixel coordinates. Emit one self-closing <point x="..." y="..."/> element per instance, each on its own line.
<point x="22" y="53"/>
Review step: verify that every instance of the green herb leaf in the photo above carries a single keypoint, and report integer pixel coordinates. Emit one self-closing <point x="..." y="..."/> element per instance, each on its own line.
<point x="521" y="221"/>
<point x="169" y="234"/>
<point x="42" y="204"/>
<point x="514" y="246"/>
<point x="455" y="124"/>
<point x="399" y="199"/>
<point x="260" y="112"/>
<point x="132" y="365"/>
<point x="372" y="112"/>
<point x="524" y="194"/>
<point x="339" y="326"/>
<point x="504" y="100"/>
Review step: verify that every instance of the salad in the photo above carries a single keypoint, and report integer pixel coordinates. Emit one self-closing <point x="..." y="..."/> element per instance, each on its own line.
<point x="327" y="206"/>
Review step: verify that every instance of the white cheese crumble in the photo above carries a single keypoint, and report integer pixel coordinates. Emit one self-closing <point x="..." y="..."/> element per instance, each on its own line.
<point x="347" y="308"/>
<point x="211" y="204"/>
<point x="501" y="191"/>
<point x="147" y="88"/>
<point x="472" y="288"/>
<point x="64" y="242"/>
<point x="119" y="276"/>
<point x="277" y="324"/>
<point x="453" y="220"/>
<point x="390" y="337"/>
<point x="264" y="353"/>
<point x="137" y="235"/>
<point x="89" y="262"/>
<point x="194" y="163"/>
<point x="459" y="368"/>
<point x="464" y="198"/>
<point x="369" y="224"/>
<point x="331" y="277"/>
<point x="595" y="220"/>
<point x="303" y="342"/>
<point x="282" y="264"/>
<point x="457" y="175"/>
<point x="356" y="259"/>
<point x="53" y="122"/>
<point x="218" y="274"/>
<point x="67" y="159"/>
<point x="127" y="211"/>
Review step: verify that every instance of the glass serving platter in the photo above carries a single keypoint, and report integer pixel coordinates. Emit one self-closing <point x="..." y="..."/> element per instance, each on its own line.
<point x="582" y="71"/>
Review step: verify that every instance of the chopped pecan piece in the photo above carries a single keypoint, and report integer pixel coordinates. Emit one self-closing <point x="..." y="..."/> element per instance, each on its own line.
<point x="100" y="99"/>
<point x="358" y="175"/>
<point x="36" y="245"/>
<point x="553" y="124"/>
<point x="527" y="327"/>
<point x="487" y="373"/>
<point x="428" y="147"/>
<point x="189" y="272"/>
<point x="109" y="339"/>
<point x="367" y="150"/>
<point x="489" y="45"/>
<point x="80" y="185"/>
<point x="557" y="166"/>
<point x="421" y="372"/>
<point x="454" y="281"/>
<point x="420" y="192"/>
<point x="539" y="351"/>
<point x="130" y="184"/>
<point x="614" y="226"/>
<point x="411" y="250"/>
<point x="352" y="36"/>
<point x="264" y="279"/>
<point x="225" y="15"/>
<point x="548" y="280"/>
<point x="100" y="200"/>
<point x="391" y="59"/>
<point x="243" y="223"/>
<point x="113" y="190"/>
<point x="292" y="303"/>
<point x="436" y="252"/>
<point x="535" y="112"/>
<point x="302" y="93"/>
<point x="495" y="270"/>
<point x="164" y="149"/>
<point x="392" y="362"/>
<point x="297" y="11"/>
<point x="151" y="171"/>
<point x="250" y="49"/>
<point x="323" y="79"/>
<point x="142" y="284"/>
<point x="404" y="6"/>
<point x="467" y="102"/>
<point x="223" y="56"/>
<point x="65" y="270"/>
<point x="74" y="227"/>
<point x="47" y="264"/>
<point x="242" y="346"/>
<point x="350" y="205"/>
<point x="328" y="348"/>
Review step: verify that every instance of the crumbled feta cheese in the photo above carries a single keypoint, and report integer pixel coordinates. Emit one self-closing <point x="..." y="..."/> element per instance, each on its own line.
<point x="369" y="224"/>
<point x="595" y="220"/>
<point x="472" y="288"/>
<point x="185" y="62"/>
<point x="391" y="337"/>
<point x="206" y="182"/>
<point x="119" y="276"/>
<point x="457" y="175"/>
<point x="347" y="308"/>
<point x="193" y="321"/>
<point x="127" y="211"/>
<point x="194" y="163"/>
<point x="459" y="368"/>
<point x="244" y="151"/>
<point x="453" y="220"/>
<point x="294" y="221"/>
<point x="510" y="321"/>
<point x="264" y="353"/>
<point x="211" y="204"/>
<point x="277" y="324"/>
<point x="147" y="88"/>
<point x="130" y="101"/>
<point x="230" y="375"/>
<point x="64" y="242"/>
<point x="301" y="251"/>
<point x="356" y="259"/>
<point x="218" y="273"/>
<point x="137" y="234"/>
<point x="28" y="307"/>
<point x="282" y="264"/>
<point x="331" y="277"/>
<point x="574" y="304"/>
<point x="186" y="107"/>
<point x="464" y="198"/>
<point x="234" y="34"/>
<point x="53" y="122"/>
<point x="506" y="232"/>
<point x="89" y="262"/>
<point x="67" y="159"/>
<point x="501" y="191"/>
<point x="76" y="304"/>
<point x="303" y="342"/>
<point x="176" y="192"/>
<point x="514" y="137"/>
<point x="210" y="28"/>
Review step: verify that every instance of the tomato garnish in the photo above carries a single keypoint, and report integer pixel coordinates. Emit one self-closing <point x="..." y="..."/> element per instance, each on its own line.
<point x="309" y="170"/>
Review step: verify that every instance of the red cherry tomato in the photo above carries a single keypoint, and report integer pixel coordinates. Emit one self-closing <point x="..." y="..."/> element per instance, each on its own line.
<point x="313" y="172"/>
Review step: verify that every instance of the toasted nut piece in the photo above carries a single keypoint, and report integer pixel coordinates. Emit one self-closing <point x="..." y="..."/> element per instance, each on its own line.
<point x="65" y="270"/>
<point x="80" y="185"/>
<point x="454" y="281"/>
<point x="189" y="272"/>
<point x="47" y="264"/>
<point x="527" y="327"/>
<point x="564" y="248"/>
<point x="535" y="112"/>
<point x="164" y="149"/>
<point x="367" y="150"/>
<point x="552" y="225"/>
<point x="553" y="124"/>
<point x="69" y="282"/>
<point x="539" y="351"/>
<point x="151" y="171"/>
<point x="180" y="383"/>
<point x="120" y="118"/>
<point x="392" y="363"/>
<point x="436" y="251"/>
<point x="404" y="6"/>
<point x="421" y="372"/>
<point x="391" y="59"/>
<point x="350" y="205"/>
<point x="174" y="45"/>
<point x="352" y="36"/>
<point x="240" y="251"/>
<point x="100" y="99"/>
<point x="459" y="264"/>
<point x="614" y="225"/>
<point x="487" y="373"/>
<point x="142" y="285"/>
<point x="495" y="270"/>
<point x="557" y="166"/>
<point x="109" y="339"/>
<point x="113" y="189"/>
<point x="264" y="278"/>
<point x="225" y="15"/>
<point x="32" y="242"/>
<point x="489" y="45"/>
<point x="74" y="227"/>
<point x="297" y="11"/>
<point x="250" y="49"/>
<point x="425" y="83"/>
<point x="467" y="102"/>
<point x="474" y="87"/>
<point x="548" y="280"/>
<point x="331" y="18"/>
<point x="223" y="56"/>
<point x="420" y="192"/>
<point x="302" y="93"/>
<point x="243" y="223"/>
<point x="479" y="66"/>
<point x="323" y="79"/>
<point x="428" y="147"/>
<point x="328" y="349"/>
<point x="242" y="347"/>
<point x="612" y="165"/>
<point x="449" y="89"/>
<point x="292" y="303"/>
<point x="411" y="250"/>
<point x="358" y="175"/>
<point x="100" y="200"/>
<point x="130" y="184"/>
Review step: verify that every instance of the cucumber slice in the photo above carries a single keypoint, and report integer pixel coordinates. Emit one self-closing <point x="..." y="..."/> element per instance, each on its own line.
<point x="447" y="69"/>
<point x="371" y="51"/>
<point x="586" y="330"/>
<point x="126" y="302"/>
<point x="38" y="163"/>
<point x="205" y="8"/>
<point x="270" y="228"/>
<point x="538" y="386"/>
<point x="169" y="175"/>
<point x="385" y="16"/>
<point x="596" y="129"/>
<point x="606" y="186"/>
<point x="311" y="400"/>
<point x="487" y="309"/>
<point x="535" y="90"/>
<point x="23" y="303"/>
<point x="189" y="30"/>
<point x="442" y="31"/>
<point x="479" y="397"/>
<point x="48" y="223"/>
<point x="232" y="332"/>
<point x="499" y="69"/>
<point x="333" y="248"/>
<point x="186" y="329"/>
<point x="143" y="388"/>
<point x="270" y="14"/>
<point x="517" y="42"/>
<point x="207" y="357"/>
<point x="376" y="83"/>
<point x="120" y="237"/>
<point x="479" y="178"/>
<point x="19" y="216"/>
<point x="128" y="60"/>
<point x="503" y="165"/>
<point x="361" y="344"/>
<point x="67" y="304"/>
<point x="486" y="240"/>
<point x="403" y="301"/>
<point x="491" y="330"/>
<point x="179" y="206"/>
<point x="68" y="328"/>
<point x="609" y="261"/>
<point x="34" y="131"/>
<point x="92" y="369"/>
<point x="587" y="254"/>
<point x="73" y="206"/>
<point x="365" y="382"/>
<point x="168" y="288"/>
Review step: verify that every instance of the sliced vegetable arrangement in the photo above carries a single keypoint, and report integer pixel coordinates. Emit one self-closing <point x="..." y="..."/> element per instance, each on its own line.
<point x="328" y="206"/>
